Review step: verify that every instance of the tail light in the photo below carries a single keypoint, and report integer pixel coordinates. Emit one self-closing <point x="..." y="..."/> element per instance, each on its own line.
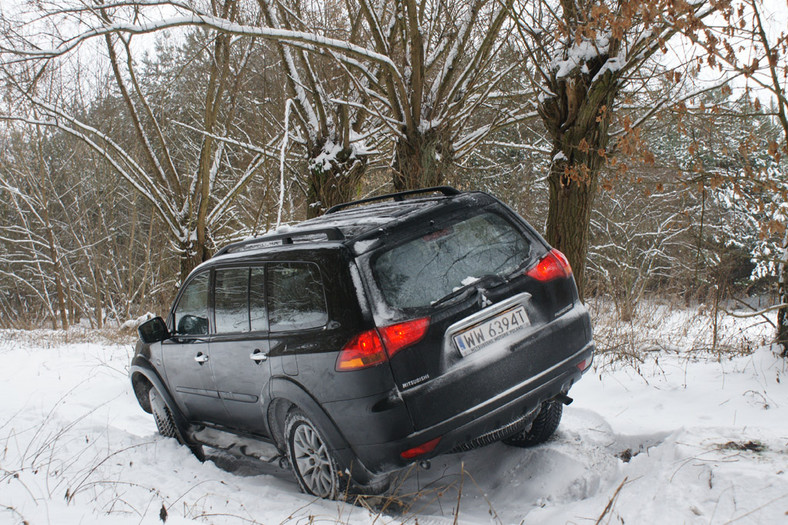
<point x="366" y="349"/>
<point x="375" y="346"/>
<point x="399" y="336"/>
<point x="554" y="265"/>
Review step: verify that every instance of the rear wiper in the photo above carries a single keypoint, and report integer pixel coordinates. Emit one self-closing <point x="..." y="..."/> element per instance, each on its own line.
<point x="452" y="295"/>
<point x="486" y="282"/>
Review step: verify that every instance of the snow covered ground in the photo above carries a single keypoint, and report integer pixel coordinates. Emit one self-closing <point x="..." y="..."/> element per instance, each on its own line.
<point x="678" y="435"/>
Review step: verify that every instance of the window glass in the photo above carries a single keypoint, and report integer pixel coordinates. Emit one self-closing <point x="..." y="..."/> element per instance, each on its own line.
<point x="231" y="306"/>
<point x="191" y="314"/>
<point x="257" y="311"/>
<point x="295" y="297"/>
<point x="428" y="268"/>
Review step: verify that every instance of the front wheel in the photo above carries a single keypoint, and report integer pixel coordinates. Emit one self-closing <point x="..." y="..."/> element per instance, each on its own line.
<point x="162" y="415"/>
<point x="165" y="423"/>
<point x="543" y="427"/>
<point x="312" y="462"/>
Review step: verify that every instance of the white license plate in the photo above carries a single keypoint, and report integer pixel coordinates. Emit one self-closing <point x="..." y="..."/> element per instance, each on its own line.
<point x="491" y="330"/>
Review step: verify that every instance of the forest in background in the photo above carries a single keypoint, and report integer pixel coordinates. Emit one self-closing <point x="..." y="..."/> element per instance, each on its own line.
<point x="645" y="139"/>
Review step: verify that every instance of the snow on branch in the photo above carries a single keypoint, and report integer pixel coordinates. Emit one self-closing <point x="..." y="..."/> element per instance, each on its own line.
<point x="218" y="24"/>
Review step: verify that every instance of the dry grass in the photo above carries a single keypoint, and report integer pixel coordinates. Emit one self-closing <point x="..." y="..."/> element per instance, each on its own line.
<point x="661" y="325"/>
<point x="47" y="338"/>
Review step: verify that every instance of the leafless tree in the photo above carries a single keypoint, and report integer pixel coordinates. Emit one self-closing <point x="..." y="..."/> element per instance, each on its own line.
<point x="331" y="114"/>
<point x="184" y="190"/>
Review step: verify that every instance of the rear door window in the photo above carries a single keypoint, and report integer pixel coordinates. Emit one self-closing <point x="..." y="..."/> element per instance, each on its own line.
<point x="296" y="299"/>
<point x="425" y="269"/>
<point x="231" y="306"/>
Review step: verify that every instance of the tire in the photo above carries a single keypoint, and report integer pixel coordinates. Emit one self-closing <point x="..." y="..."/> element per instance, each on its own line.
<point x="165" y="423"/>
<point x="162" y="415"/>
<point x="313" y="464"/>
<point x="543" y="427"/>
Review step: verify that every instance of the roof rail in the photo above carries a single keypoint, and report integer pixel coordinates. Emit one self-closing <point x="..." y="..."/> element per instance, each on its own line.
<point x="332" y="234"/>
<point x="446" y="190"/>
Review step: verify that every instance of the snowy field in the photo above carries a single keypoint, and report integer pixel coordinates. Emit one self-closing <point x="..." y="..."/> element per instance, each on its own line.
<point x="674" y="433"/>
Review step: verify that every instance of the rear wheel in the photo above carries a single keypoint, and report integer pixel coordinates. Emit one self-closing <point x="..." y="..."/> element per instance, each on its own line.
<point x="543" y="427"/>
<point x="312" y="462"/>
<point x="165" y="423"/>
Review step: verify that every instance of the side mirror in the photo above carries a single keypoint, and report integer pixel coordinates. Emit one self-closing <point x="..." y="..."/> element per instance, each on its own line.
<point x="153" y="331"/>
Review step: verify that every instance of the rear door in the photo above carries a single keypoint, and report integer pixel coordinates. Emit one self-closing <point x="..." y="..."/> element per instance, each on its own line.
<point x="239" y="347"/>
<point x="297" y="312"/>
<point x="466" y="274"/>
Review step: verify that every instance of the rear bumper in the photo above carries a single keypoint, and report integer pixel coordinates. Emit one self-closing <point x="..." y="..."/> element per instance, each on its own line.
<point x="496" y="413"/>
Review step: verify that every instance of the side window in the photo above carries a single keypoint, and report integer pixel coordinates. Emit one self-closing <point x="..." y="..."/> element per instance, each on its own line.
<point x="231" y="306"/>
<point x="296" y="299"/>
<point x="191" y="314"/>
<point x="257" y="311"/>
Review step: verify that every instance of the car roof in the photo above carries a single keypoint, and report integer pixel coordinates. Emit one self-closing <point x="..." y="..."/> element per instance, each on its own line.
<point x="353" y="221"/>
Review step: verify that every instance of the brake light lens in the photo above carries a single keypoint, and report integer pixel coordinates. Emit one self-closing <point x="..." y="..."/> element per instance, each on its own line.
<point x="399" y="336"/>
<point x="375" y="346"/>
<point x="554" y="265"/>
<point x="422" y="449"/>
<point x="364" y="350"/>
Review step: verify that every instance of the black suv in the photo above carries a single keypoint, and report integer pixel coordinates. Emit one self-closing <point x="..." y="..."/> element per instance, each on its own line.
<point x="387" y="331"/>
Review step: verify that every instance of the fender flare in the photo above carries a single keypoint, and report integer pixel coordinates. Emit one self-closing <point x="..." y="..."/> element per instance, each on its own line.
<point x="288" y="390"/>
<point x="140" y="366"/>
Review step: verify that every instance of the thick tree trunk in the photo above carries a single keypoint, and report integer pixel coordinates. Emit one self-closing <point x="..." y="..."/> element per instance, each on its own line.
<point x="333" y="182"/>
<point x="577" y="118"/>
<point x="569" y="215"/>
<point x="420" y="161"/>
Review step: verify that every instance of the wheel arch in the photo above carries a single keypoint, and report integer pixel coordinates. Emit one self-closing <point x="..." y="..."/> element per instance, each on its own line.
<point x="144" y="377"/>
<point x="286" y="395"/>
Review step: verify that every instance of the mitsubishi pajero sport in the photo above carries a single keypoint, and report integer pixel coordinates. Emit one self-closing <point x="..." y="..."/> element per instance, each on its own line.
<point x="387" y="331"/>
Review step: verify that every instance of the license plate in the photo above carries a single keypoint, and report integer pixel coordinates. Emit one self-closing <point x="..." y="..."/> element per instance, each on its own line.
<point x="491" y="330"/>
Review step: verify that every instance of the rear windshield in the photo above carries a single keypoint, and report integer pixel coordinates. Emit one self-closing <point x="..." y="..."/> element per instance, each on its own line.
<point x="425" y="269"/>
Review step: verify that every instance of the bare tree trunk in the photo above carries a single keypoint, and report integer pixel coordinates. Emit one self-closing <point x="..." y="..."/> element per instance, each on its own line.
<point x="333" y="183"/>
<point x="130" y="256"/>
<point x="578" y="119"/>
<point x="146" y="264"/>
<point x="569" y="216"/>
<point x="56" y="270"/>
<point x="99" y="309"/>
<point x="421" y="160"/>
<point x="190" y="259"/>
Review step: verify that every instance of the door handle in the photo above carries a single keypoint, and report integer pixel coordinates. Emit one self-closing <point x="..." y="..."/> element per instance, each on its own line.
<point x="201" y="358"/>
<point x="258" y="356"/>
